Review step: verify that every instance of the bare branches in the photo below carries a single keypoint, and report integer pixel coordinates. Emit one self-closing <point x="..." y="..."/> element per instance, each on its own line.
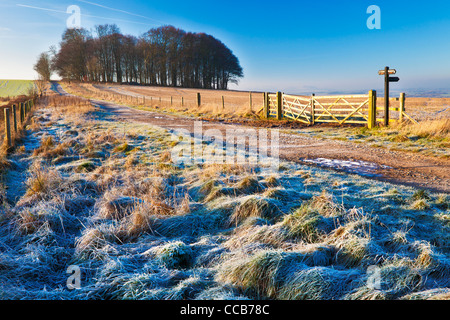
<point x="164" y="56"/>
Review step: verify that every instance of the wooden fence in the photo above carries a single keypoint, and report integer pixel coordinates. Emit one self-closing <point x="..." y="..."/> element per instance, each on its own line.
<point x="355" y="109"/>
<point x="13" y="117"/>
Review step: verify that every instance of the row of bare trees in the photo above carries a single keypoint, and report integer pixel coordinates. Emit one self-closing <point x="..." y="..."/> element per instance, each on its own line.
<point x="165" y="56"/>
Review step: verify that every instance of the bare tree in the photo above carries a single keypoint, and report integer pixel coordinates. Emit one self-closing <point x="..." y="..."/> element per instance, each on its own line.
<point x="164" y="56"/>
<point x="43" y="66"/>
<point x="39" y="88"/>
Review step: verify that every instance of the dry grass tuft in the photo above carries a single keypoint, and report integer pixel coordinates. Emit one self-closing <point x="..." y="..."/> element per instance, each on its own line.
<point x="173" y="255"/>
<point x="318" y="283"/>
<point x="420" y="204"/>
<point x="28" y="222"/>
<point x="255" y="206"/>
<point x="429" y="129"/>
<point x="118" y="208"/>
<point x="140" y="221"/>
<point x="43" y="181"/>
<point x="49" y="149"/>
<point x="210" y="171"/>
<point x="258" y="274"/>
<point x="303" y="224"/>
<point x="248" y="185"/>
<point x="272" y="181"/>
<point x="4" y="163"/>
<point x="326" y="206"/>
<point x="91" y="241"/>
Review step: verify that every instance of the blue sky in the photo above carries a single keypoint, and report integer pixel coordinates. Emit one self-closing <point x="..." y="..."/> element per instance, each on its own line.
<point x="293" y="46"/>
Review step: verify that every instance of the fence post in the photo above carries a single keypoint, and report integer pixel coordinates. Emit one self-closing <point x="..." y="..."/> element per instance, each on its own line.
<point x="182" y="101"/>
<point x="266" y="105"/>
<point x="8" y="127"/>
<point x="250" y="101"/>
<point x="21" y="113"/>
<point x="171" y="100"/>
<point x="24" y="111"/>
<point x="402" y="106"/>
<point x="313" y="109"/>
<point x="372" y="121"/>
<point x="279" y="105"/>
<point x="14" y="111"/>
<point x="199" y="99"/>
<point x="223" y="102"/>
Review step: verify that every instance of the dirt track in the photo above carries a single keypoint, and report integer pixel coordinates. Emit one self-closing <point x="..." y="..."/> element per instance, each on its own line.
<point x="403" y="168"/>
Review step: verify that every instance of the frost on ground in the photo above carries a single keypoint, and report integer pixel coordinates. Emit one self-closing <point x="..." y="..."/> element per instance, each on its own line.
<point x="90" y="191"/>
<point x="362" y="168"/>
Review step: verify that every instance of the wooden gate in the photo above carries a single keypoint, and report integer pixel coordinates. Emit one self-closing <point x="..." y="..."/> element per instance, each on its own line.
<point x="318" y="109"/>
<point x="340" y="109"/>
<point x="297" y="108"/>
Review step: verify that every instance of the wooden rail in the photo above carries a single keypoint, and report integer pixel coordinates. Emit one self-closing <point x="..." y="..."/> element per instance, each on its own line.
<point x="354" y="109"/>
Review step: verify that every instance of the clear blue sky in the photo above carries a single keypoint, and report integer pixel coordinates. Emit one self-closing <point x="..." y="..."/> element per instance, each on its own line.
<point x="293" y="46"/>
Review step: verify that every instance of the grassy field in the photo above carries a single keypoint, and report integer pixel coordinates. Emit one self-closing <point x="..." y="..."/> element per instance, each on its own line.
<point x="236" y="104"/>
<point x="92" y="191"/>
<point x="13" y="88"/>
<point x="428" y="108"/>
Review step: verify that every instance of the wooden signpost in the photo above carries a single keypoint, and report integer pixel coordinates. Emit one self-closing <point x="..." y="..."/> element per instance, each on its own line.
<point x="387" y="79"/>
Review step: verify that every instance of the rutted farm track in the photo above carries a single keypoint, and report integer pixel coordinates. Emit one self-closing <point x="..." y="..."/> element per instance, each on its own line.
<point x="392" y="166"/>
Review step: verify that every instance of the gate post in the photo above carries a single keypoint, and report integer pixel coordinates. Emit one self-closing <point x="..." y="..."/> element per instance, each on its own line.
<point x="371" y="123"/>
<point x="313" y="109"/>
<point x="279" y="105"/>
<point x="266" y="105"/>
<point x="402" y="106"/>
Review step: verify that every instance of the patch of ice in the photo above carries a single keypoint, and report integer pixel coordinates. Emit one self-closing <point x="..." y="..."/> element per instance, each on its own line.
<point x="355" y="166"/>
